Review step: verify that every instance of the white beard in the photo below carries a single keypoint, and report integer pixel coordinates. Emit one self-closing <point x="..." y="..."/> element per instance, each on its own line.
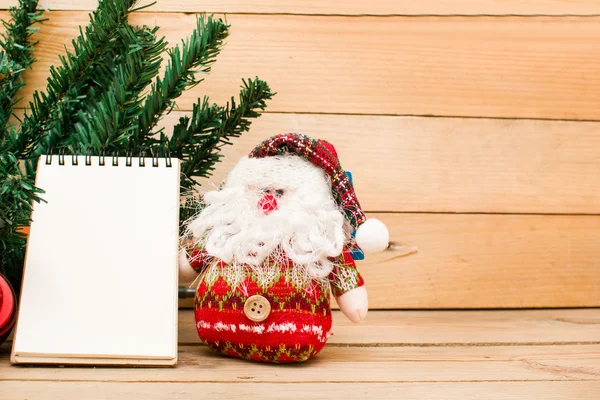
<point x="308" y="227"/>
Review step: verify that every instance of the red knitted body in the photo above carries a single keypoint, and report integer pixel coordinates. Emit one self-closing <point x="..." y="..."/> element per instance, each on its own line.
<point x="295" y="330"/>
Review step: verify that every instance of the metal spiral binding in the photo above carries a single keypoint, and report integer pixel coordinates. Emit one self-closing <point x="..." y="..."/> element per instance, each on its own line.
<point x="155" y="155"/>
<point x="88" y="157"/>
<point x="154" y="158"/>
<point x="61" y="157"/>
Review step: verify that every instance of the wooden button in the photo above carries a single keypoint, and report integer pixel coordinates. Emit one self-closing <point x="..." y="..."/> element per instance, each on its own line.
<point x="257" y="308"/>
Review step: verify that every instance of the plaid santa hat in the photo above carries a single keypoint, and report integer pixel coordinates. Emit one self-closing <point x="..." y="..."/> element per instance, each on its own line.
<point x="371" y="235"/>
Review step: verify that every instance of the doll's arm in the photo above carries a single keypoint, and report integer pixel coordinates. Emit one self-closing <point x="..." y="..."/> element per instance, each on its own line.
<point x="193" y="260"/>
<point x="348" y="289"/>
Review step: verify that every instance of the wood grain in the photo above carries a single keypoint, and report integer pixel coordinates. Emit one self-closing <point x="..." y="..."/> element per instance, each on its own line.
<point x="356" y="7"/>
<point x="447" y="164"/>
<point x="452" y="328"/>
<point x="414" y="164"/>
<point x="18" y="390"/>
<point x="482" y="67"/>
<point x="198" y="364"/>
<point x="457" y="364"/>
<point x="486" y="261"/>
<point x="479" y="261"/>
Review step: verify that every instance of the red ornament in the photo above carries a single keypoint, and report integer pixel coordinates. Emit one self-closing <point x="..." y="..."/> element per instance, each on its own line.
<point x="7" y="308"/>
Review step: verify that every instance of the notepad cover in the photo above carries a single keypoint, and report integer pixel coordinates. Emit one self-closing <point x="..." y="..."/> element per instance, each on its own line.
<point x="100" y="278"/>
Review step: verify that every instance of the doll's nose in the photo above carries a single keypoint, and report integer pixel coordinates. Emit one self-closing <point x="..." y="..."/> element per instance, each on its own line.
<point x="267" y="204"/>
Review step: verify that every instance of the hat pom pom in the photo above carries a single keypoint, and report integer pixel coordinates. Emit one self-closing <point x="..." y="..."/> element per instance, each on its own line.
<point x="372" y="236"/>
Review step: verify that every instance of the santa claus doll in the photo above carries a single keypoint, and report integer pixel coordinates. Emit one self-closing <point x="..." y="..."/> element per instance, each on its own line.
<point x="271" y="245"/>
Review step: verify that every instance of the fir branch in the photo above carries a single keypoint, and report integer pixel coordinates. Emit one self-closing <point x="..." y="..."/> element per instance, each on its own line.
<point x="51" y="112"/>
<point x="17" y="192"/>
<point x="17" y="55"/>
<point x="108" y="123"/>
<point x="198" y="53"/>
<point x="16" y="39"/>
<point x="198" y="140"/>
<point x="17" y="195"/>
<point x="10" y="84"/>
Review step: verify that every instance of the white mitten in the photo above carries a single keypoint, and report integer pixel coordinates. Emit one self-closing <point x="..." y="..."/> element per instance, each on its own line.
<point x="354" y="304"/>
<point x="186" y="272"/>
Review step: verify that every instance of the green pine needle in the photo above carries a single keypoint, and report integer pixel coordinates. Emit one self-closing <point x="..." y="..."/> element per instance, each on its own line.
<point x="109" y="123"/>
<point x="54" y="111"/>
<point x="16" y="55"/>
<point x="198" y="52"/>
<point x="15" y="41"/>
<point x="17" y="192"/>
<point x="198" y="140"/>
<point x="17" y="195"/>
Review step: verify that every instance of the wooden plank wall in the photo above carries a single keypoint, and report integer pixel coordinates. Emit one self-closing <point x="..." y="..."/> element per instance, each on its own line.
<point x="471" y="127"/>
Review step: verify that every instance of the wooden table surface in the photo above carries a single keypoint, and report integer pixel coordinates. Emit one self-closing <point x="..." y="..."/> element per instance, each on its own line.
<point x="525" y="354"/>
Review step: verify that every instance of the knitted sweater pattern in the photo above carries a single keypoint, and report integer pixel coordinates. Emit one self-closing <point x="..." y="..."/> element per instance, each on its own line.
<point x="299" y="321"/>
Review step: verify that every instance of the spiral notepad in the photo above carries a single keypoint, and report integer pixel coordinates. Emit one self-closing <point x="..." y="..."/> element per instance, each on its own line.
<point x="100" y="278"/>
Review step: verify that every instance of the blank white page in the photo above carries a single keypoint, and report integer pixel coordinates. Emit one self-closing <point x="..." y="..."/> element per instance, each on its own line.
<point x="101" y="267"/>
